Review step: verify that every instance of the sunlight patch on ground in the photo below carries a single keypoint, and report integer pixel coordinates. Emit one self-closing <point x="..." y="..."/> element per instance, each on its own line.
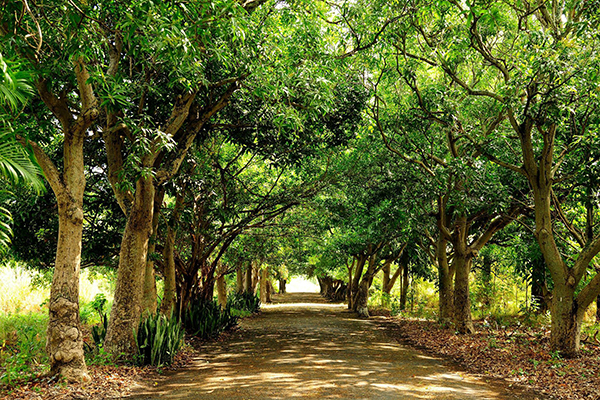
<point x="302" y="305"/>
<point x="301" y="284"/>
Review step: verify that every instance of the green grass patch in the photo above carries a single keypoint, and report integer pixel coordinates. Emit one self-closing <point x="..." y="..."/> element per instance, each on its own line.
<point x="22" y="347"/>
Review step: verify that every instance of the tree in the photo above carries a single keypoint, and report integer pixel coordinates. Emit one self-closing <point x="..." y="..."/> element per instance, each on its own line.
<point x="537" y="70"/>
<point x="62" y="81"/>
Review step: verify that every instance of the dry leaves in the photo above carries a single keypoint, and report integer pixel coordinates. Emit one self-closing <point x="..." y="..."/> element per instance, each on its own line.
<point x="108" y="382"/>
<point x="517" y="354"/>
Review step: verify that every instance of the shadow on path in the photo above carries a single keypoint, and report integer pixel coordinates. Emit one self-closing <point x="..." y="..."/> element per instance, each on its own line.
<point x="303" y="347"/>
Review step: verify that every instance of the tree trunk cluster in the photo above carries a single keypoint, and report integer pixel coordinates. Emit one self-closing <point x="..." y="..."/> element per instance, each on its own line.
<point x="332" y="289"/>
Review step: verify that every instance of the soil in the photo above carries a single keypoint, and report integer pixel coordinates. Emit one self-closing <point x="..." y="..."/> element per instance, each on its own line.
<point x="303" y="347"/>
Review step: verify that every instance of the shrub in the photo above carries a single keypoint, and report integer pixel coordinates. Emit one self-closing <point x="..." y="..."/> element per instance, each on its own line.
<point x="158" y="339"/>
<point x="244" y="302"/>
<point x="207" y="319"/>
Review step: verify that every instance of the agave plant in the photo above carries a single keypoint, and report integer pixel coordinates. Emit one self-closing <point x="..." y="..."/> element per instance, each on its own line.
<point x="158" y="339"/>
<point x="207" y="319"/>
<point x="244" y="302"/>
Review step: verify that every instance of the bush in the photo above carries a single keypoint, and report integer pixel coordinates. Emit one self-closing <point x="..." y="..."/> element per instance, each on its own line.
<point x="207" y="319"/>
<point x="158" y="339"/>
<point x="244" y="302"/>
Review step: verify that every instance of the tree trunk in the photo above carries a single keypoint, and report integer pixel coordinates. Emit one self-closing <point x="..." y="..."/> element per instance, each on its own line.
<point x="264" y="287"/>
<point x="150" y="297"/>
<point x="239" y="278"/>
<point x="486" y="277"/>
<point x="127" y="306"/>
<point x="353" y="286"/>
<point x="282" y="283"/>
<point x="269" y="286"/>
<point x="598" y="309"/>
<point x="360" y="302"/>
<point x="446" y="281"/>
<point x="170" y="292"/>
<point x="65" y="339"/>
<point x="462" y="300"/>
<point x="255" y="277"/>
<point x="221" y="291"/>
<point x="362" y="298"/>
<point x="566" y="322"/>
<point x="248" y="279"/>
<point x="64" y="343"/>
<point x="386" y="288"/>
<point x="349" y="290"/>
<point x="404" y="286"/>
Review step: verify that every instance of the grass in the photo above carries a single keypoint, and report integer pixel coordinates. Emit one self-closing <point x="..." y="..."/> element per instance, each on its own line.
<point x="24" y="318"/>
<point x="22" y="343"/>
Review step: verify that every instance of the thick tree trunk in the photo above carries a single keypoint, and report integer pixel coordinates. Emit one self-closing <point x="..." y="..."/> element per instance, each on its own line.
<point x="65" y="339"/>
<point x="127" y="307"/>
<point x="239" y="278"/>
<point x="462" y="268"/>
<point x="264" y="286"/>
<point x="360" y="302"/>
<point x="353" y="286"/>
<point x="64" y="343"/>
<point x="462" y="301"/>
<point x="255" y="277"/>
<point x="248" y="279"/>
<point x="221" y="291"/>
<point x="362" y="298"/>
<point x="386" y="288"/>
<point x="566" y="322"/>
<point x="269" y="286"/>
<point x="446" y="282"/>
<point x="598" y="309"/>
<point x="282" y="283"/>
<point x="170" y="291"/>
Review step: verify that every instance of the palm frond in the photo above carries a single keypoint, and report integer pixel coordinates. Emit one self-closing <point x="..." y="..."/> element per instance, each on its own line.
<point x="16" y="165"/>
<point x="5" y="220"/>
<point x="14" y="84"/>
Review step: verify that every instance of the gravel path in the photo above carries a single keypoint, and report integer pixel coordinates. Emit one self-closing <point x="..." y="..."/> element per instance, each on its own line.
<point x="303" y="347"/>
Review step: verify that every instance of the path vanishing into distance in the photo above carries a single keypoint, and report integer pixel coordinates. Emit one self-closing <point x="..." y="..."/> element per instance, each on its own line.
<point x="303" y="347"/>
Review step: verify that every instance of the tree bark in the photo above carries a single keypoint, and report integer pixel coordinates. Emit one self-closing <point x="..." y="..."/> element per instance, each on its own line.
<point x="170" y="291"/>
<point x="404" y="287"/>
<point x="127" y="306"/>
<point x="65" y="339"/>
<point x="150" y="297"/>
<point x="64" y="343"/>
<point x="255" y="276"/>
<point x="221" y="288"/>
<point x="462" y="300"/>
<point x="264" y="286"/>
<point x="566" y="321"/>
<point x="282" y="283"/>
<point x="446" y="281"/>
<point x="239" y="276"/>
<point x="248" y="278"/>
<point x="353" y="286"/>
<point x="360" y="302"/>
<point x="349" y="290"/>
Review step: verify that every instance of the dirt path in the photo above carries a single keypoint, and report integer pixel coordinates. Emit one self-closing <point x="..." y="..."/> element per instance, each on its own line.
<point x="302" y="347"/>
